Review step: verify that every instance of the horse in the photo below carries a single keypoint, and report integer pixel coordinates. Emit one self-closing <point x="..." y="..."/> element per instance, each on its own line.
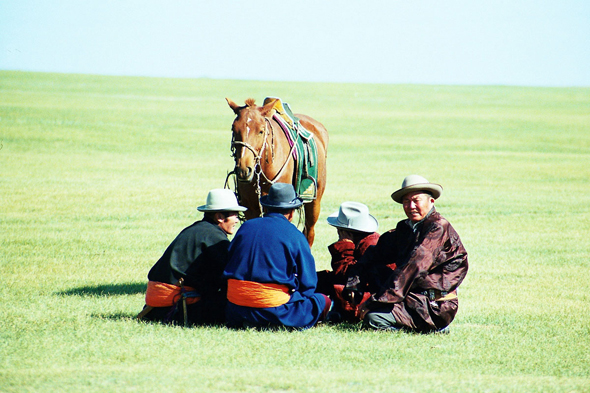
<point x="263" y="156"/>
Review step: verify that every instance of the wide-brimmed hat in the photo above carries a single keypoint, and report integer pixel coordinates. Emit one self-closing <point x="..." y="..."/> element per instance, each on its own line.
<point x="221" y="200"/>
<point x="281" y="196"/>
<point x="353" y="216"/>
<point x="416" y="183"/>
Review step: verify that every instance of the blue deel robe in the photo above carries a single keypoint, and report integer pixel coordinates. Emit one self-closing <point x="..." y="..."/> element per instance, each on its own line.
<point x="272" y="250"/>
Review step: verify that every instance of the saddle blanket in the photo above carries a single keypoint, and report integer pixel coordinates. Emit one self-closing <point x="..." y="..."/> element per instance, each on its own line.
<point x="305" y="151"/>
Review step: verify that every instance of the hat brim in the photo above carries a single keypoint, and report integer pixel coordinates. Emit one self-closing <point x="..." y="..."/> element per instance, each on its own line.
<point x="294" y="204"/>
<point x="370" y="227"/>
<point x="206" y="208"/>
<point x="431" y="188"/>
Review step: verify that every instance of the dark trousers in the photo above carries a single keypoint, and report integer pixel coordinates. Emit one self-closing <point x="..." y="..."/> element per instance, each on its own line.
<point x="203" y="312"/>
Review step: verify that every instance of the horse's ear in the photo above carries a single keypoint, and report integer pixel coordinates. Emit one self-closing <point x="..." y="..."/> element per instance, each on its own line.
<point x="235" y="107"/>
<point x="268" y="107"/>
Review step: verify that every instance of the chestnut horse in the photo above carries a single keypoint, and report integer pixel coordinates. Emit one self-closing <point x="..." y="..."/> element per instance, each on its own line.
<point x="263" y="156"/>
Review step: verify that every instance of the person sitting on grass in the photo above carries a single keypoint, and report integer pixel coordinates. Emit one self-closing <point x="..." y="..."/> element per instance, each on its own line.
<point x="186" y="284"/>
<point x="421" y="293"/>
<point x="271" y="271"/>
<point x="356" y="230"/>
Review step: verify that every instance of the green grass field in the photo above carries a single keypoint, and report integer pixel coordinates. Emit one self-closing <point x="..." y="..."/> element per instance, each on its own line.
<point x="99" y="174"/>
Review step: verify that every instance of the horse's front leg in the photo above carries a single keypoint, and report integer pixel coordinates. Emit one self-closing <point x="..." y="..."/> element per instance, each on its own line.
<point x="249" y="199"/>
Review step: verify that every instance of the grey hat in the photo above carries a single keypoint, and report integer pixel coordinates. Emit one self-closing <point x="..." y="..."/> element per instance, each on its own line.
<point x="416" y="183"/>
<point x="221" y="200"/>
<point x="281" y="196"/>
<point x="354" y="216"/>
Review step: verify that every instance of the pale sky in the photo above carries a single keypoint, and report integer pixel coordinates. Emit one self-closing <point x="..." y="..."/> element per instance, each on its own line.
<point x="531" y="43"/>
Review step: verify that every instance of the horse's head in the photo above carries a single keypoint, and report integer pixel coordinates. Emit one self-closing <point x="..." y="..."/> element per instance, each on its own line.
<point x="249" y="136"/>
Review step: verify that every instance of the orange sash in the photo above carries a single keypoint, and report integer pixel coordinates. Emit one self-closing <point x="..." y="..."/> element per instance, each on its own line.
<point x="257" y="295"/>
<point x="160" y="294"/>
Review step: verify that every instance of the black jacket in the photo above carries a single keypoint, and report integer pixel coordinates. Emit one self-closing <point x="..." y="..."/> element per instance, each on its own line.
<point x="199" y="255"/>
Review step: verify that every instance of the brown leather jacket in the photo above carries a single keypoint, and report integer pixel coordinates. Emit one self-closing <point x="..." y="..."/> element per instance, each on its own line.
<point x="428" y="257"/>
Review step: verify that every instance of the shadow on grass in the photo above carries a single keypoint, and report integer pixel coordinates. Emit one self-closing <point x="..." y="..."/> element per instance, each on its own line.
<point x="116" y="316"/>
<point x="345" y="326"/>
<point x="106" y="290"/>
<point x="132" y="317"/>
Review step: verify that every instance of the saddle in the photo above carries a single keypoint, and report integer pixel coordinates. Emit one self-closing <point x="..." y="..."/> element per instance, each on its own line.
<point x="304" y="147"/>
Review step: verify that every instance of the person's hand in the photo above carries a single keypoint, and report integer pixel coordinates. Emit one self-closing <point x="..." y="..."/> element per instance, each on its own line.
<point x="363" y="310"/>
<point x="352" y="296"/>
<point x="348" y="295"/>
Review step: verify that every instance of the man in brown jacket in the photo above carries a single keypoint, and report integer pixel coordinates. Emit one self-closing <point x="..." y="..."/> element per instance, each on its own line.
<point x="421" y="293"/>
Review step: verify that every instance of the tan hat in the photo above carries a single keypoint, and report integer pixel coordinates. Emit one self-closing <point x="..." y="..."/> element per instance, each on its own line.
<point x="416" y="183"/>
<point x="221" y="200"/>
<point x="354" y="216"/>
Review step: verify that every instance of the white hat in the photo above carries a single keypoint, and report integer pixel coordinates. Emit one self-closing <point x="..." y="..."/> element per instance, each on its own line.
<point x="221" y="200"/>
<point x="354" y="216"/>
<point x="416" y="183"/>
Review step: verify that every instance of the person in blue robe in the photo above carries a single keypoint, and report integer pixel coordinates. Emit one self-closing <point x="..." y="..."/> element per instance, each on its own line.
<point x="271" y="271"/>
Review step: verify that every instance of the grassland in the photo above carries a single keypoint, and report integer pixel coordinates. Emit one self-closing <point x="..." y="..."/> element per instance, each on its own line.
<point x="98" y="174"/>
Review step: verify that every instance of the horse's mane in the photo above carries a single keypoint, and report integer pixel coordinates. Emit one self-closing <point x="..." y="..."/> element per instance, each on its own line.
<point x="250" y="102"/>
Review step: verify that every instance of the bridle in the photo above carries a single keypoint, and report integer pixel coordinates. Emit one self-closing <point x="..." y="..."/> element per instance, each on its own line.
<point x="258" y="172"/>
<point x="257" y="154"/>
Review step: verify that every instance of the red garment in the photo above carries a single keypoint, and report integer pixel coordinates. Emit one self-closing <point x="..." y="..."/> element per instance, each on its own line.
<point x="345" y="254"/>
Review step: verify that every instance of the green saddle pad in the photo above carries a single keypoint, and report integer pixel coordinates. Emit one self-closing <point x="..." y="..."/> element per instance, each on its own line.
<point x="306" y="151"/>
